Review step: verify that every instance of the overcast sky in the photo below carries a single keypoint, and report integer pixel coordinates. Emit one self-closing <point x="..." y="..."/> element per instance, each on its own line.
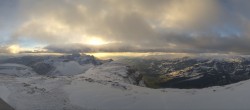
<point x="191" y="26"/>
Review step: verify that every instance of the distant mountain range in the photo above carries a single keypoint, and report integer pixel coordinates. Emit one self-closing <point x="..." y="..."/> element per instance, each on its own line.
<point x="183" y="73"/>
<point x="79" y="81"/>
<point x="69" y="65"/>
<point x="193" y="72"/>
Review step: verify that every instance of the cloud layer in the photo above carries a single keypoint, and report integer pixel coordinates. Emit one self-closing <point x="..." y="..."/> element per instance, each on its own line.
<point x="192" y="26"/>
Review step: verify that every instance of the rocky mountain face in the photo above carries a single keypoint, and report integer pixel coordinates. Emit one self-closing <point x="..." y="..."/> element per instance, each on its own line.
<point x="194" y="72"/>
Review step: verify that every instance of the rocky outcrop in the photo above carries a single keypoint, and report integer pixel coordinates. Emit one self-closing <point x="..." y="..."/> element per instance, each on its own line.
<point x="134" y="76"/>
<point x="42" y="68"/>
<point x="5" y="106"/>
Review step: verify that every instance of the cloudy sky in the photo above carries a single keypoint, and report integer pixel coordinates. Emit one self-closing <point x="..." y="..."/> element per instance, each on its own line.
<point x="189" y="26"/>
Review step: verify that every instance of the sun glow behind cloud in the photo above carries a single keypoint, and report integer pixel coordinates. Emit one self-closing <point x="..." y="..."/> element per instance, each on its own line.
<point x="95" y="41"/>
<point x="14" y="49"/>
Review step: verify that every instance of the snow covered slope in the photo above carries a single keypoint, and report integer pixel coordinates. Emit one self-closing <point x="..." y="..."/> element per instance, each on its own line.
<point x="114" y="71"/>
<point x="79" y="93"/>
<point x="83" y="83"/>
<point x="69" y="68"/>
<point x="70" y="65"/>
<point x="56" y="65"/>
<point x="16" y="70"/>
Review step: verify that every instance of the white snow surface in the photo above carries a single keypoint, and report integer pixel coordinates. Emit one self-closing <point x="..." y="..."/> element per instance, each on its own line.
<point x="111" y="71"/>
<point x="103" y="88"/>
<point x="16" y="70"/>
<point x="69" y="68"/>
